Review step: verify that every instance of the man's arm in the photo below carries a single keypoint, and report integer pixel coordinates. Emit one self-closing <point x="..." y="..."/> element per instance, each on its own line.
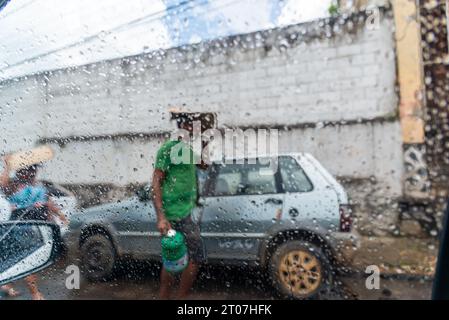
<point x="162" y="223"/>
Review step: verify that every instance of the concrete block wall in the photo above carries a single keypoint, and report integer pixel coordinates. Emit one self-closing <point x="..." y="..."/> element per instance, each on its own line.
<point x="300" y="79"/>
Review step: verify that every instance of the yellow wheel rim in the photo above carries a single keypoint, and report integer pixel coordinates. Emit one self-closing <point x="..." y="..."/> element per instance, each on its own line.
<point x="300" y="272"/>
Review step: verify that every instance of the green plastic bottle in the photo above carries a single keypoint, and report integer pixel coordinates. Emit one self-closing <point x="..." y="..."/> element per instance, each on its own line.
<point x="174" y="252"/>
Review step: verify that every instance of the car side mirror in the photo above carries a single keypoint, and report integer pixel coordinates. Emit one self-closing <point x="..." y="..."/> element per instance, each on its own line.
<point x="145" y="193"/>
<point x="26" y="247"/>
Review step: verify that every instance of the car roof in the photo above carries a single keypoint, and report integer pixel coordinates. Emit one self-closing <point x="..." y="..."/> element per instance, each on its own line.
<point x="279" y="154"/>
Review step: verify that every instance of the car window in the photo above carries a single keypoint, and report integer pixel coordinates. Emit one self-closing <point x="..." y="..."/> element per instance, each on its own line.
<point x="243" y="179"/>
<point x="294" y="179"/>
<point x="201" y="176"/>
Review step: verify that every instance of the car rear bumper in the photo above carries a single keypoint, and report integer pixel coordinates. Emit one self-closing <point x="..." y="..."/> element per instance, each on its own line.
<point x="345" y="245"/>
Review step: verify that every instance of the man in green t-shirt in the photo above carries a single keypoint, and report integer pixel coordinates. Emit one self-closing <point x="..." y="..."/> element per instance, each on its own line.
<point x="175" y="196"/>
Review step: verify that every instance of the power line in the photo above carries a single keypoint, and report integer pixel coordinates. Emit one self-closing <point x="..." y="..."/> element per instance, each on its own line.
<point x="17" y="9"/>
<point x="97" y="35"/>
<point x="128" y="25"/>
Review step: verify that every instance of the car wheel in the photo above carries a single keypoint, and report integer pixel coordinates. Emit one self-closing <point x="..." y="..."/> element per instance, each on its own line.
<point x="299" y="270"/>
<point x="98" y="258"/>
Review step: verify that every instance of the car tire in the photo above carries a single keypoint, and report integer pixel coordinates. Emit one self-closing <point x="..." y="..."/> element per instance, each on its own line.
<point x="98" y="258"/>
<point x="300" y="270"/>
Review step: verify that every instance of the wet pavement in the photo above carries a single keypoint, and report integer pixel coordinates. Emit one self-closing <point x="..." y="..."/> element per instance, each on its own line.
<point x="140" y="281"/>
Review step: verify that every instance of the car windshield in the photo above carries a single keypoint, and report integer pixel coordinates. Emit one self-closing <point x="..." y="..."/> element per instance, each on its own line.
<point x="223" y="149"/>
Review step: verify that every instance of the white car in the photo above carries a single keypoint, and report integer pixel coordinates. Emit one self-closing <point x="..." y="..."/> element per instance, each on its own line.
<point x="292" y="219"/>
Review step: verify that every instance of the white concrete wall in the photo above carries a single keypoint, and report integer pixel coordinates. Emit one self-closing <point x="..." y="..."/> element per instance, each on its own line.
<point x="21" y="114"/>
<point x="252" y="80"/>
<point x="359" y="151"/>
<point x="96" y="162"/>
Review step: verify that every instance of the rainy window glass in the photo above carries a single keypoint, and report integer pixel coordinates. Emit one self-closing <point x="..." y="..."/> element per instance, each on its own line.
<point x="129" y="127"/>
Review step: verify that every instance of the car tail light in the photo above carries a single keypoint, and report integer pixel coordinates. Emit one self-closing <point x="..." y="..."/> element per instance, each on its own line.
<point x="345" y="218"/>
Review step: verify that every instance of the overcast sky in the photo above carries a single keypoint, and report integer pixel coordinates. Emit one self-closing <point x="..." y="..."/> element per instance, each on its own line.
<point x="38" y="35"/>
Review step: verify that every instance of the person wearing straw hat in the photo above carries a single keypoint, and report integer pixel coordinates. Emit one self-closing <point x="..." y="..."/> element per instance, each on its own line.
<point x="29" y="201"/>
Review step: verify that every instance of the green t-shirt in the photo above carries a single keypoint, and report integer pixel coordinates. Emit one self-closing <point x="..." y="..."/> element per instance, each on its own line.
<point x="179" y="188"/>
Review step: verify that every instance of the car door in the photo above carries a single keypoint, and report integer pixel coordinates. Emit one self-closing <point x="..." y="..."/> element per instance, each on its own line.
<point x="136" y="228"/>
<point x="240" y="201"/>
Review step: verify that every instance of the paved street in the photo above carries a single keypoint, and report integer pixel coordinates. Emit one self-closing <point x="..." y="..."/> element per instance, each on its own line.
<point x="140" y="281"/>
